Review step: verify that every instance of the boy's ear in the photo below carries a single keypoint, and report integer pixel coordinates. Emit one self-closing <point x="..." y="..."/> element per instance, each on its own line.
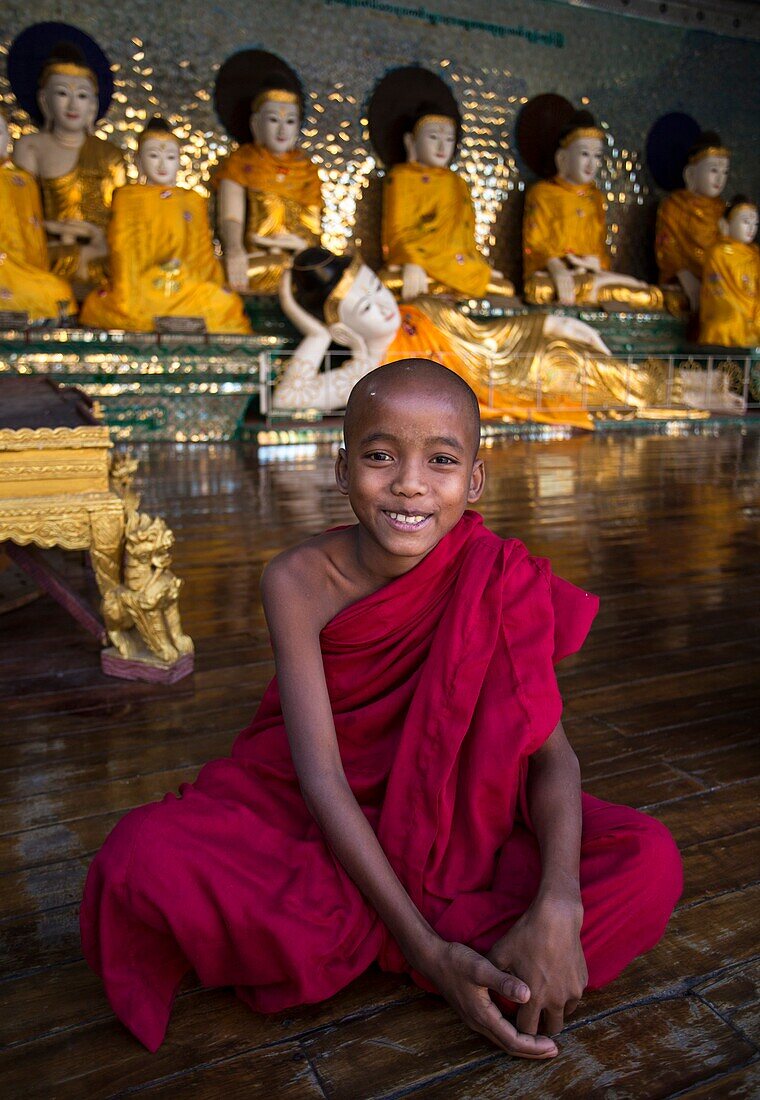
<point x="477" y="481"/>
<point x="341" y="471"/>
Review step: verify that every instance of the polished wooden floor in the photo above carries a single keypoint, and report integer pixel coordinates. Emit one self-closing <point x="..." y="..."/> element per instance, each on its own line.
<point x="662" y="706"/>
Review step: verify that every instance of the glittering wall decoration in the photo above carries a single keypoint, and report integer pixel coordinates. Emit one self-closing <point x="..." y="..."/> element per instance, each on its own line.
<point x="627" y="72"/>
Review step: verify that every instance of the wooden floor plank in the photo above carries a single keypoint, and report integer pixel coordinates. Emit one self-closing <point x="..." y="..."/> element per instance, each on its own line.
<point x="662" y="706"/>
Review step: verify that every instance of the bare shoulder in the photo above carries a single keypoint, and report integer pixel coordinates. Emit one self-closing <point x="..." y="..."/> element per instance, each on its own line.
<point x="310" y="583"/>
<point x="26" y="149"/>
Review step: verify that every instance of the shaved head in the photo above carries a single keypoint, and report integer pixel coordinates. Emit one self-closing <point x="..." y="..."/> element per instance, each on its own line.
<point x="413" y="377"/>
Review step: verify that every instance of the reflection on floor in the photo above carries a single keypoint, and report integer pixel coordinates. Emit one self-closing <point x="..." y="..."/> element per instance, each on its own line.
<point x="662" y="706"/>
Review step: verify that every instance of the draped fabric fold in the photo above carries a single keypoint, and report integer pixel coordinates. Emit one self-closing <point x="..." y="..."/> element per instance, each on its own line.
<point x="441" y="685"/>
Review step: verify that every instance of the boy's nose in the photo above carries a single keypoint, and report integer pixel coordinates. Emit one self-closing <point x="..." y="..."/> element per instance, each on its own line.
<point x="409" y="482"/>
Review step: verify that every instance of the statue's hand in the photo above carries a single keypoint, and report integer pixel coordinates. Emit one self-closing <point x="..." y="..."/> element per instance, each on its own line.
<point x="303" y="321"/>
<point x="565" y="287"/>
<point x="691" y="287"/>
<point x="575" y="331"/>
<point x="236" y="266"/>
<point x="591" y="263"/>
<point x="414" y="282"/>
<point x="496" y="274"/>
<point x="287" y="242"/>
<point x="73" y="232"/>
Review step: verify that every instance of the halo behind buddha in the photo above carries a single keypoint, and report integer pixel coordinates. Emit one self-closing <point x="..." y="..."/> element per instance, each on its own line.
<point x="243" y="79"/>
<point x="33" y="50"/>
<point x="399" y="101"/>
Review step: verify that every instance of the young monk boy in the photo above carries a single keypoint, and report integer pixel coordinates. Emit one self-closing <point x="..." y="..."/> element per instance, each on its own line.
<point x="406" y="794"/>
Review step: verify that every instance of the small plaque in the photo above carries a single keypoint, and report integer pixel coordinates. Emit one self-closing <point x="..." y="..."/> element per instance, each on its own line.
<point x="184" y="326"/>
<point x="12" y="318"/>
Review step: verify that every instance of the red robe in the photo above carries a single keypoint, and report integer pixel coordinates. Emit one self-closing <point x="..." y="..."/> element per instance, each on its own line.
<point x="442" y="685"/>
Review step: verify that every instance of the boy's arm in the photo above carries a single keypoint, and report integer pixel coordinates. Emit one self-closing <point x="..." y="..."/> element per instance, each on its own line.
<point x="292" y="596"/>
<point x="543" y="947"/>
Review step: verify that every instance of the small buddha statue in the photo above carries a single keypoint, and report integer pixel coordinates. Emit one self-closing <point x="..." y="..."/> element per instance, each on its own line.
<point x="77" y="172"/>
<point x="162" y="261"/>
<point x="269" y="202"/>
<point x="687" y="220"/>
<point x="26" y="283"/>
<point x="428" y="223"/>
<point x="729" y="312"/>
<point x="565" y="254"/>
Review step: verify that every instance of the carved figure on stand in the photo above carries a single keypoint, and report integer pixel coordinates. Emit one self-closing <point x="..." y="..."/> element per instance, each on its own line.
<point x="269" y="202"/>
<point x="687" y="220"/>
<point x="162" y="253"/>
<point x="534" y="367"/>
<point x="141" y="610"/>
<point x="63" y="80"/>
<point x="565" y="253"/>
<point x="729" y="313"/>
<point x="27" y="285"/>
<point x="428" y="228"/>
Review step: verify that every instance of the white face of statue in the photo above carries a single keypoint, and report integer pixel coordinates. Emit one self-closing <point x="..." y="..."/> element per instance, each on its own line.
<point x="5" y="140"/>
<point x="433" y="143"/>
<point x="276" y="126"/>
<point x="580" y="161"/>
<point x="69" y="103"/>
<point x="742" y="224"/>
<point x="158" y="161"/>
<point x="369" y="308"/>
<point x="708" y="176"/>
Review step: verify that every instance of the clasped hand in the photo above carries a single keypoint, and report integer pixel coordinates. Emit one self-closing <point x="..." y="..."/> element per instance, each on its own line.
<point x="543" y="948"/>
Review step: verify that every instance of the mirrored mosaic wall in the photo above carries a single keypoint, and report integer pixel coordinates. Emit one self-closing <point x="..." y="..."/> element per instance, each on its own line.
<point x="628" y="72"/>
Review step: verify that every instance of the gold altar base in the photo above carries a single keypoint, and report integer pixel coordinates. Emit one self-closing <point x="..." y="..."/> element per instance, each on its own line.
<point x="147" y="669"/>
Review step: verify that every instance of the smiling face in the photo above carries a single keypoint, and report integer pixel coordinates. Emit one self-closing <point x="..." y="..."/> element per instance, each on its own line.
<point x="69" y="103"/>
<point x="433" y="143"/>
<point x="580" y="162"/>
<point x="742" y="223"/>
<point x="369" y="308"/>
<point x="409" y="468"/>
<point x="708" y="176"/>
<point x="158" y="161"/>
<point x="275" y="126"/>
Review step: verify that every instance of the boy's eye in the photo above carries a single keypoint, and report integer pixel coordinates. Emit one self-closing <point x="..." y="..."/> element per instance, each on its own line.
<point x="444" y="460"/>
<point x="378" y="456"/>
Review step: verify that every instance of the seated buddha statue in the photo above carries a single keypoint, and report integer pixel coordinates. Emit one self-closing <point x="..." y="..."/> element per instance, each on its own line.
<point x="428" y="220"/>
<point x="565" y="254"/>
<point x="77" y="172"/>
<point x="687" y="220"/>
<point x="269" y="195"/>
<point x="27" y="284"/>
<point x="162" y="252"/>
<point x="729" y="310"/>
<point x="532" y="367"/>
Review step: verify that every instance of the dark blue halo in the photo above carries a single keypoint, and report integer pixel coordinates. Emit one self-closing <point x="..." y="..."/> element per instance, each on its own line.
<point x="668" y="145"/>
<point x="31" y="50"/>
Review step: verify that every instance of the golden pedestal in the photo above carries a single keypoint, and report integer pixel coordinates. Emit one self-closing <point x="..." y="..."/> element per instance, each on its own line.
<point x="58" y="487"/>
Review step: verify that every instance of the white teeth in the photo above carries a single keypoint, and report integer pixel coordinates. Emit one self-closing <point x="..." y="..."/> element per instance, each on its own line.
<point x="410" y="521"/>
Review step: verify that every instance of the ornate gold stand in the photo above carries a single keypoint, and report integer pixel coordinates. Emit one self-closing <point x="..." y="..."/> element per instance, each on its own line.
<point x="57" y="488"/>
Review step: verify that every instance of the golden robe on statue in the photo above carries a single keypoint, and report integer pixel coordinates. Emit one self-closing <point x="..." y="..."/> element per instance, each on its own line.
<point x="26" y="282"/>
<point x="162" y="264"/>
<point x="428" y="220"/>
<point x="284" y="195"/>
<point x="729" y="310"/>
<point x="519" y="373"/>
<point x="563" y="218"/>
<point x="687" y="226"/>
<point x="83" y="194"/>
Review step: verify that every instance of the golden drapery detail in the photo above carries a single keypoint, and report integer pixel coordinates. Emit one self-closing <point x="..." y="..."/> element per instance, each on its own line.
<point x="162" y="264"/>
<point x="284" y="195"/>
<point x="26" y="282"/>
<point x="519" y="373"/>
<point x="687" y="225"/>
<point x="564" y="218"/>
<point x="729" y="311"/>
<point x="83" y="194"/>
<point x="428" y="219"/>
